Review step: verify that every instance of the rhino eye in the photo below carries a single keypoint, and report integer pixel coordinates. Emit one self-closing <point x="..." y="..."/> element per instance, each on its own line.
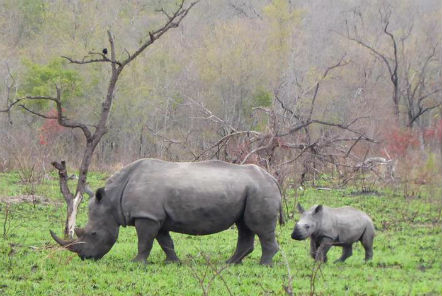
<point x="307" y="226"/>
<point x="94" y="233"/>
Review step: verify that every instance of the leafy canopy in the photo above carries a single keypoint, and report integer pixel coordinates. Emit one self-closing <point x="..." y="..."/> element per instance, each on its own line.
<point x="41" y="80"/>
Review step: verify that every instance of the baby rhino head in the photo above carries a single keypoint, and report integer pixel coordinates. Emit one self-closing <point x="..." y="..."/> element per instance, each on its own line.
<point x="308" y="223"/>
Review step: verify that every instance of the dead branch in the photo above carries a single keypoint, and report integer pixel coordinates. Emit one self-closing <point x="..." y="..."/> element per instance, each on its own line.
<point x="63" y="179"/>
<point x="324" y="75"/>
<point x="173" y="21"/>
<point x="210" y="115"/>
<point x="269" y="144"/>
<point x="62" y="120"/>
<point x="225" y="138"/>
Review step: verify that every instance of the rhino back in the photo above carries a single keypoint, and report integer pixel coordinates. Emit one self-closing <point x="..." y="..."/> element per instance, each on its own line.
<point x="347" y="223"/>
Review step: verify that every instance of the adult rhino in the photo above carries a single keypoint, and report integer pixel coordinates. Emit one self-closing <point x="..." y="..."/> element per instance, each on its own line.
<point x="195" y="198"/>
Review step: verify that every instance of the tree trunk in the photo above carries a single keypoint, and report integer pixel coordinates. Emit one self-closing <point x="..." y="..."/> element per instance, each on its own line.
<point x="440" y="145"/>
<point x="395" y="82"/>
<point x="73" y="202"/>
<point x="71" y="219"/>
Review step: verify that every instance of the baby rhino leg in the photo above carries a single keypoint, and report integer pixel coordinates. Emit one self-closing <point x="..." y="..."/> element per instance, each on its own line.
<point x="347" y="251"/>
<point x="324" y="247"/>
<point x="313" y="247"/>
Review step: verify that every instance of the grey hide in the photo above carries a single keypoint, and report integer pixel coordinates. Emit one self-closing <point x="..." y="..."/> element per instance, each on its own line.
<point x="329" y="227"/>
<point x="195" y="198"/>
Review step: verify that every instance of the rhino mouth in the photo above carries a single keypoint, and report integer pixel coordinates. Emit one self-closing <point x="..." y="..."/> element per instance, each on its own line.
<point x="297" y="235"/>
<point x="89" y="257"/>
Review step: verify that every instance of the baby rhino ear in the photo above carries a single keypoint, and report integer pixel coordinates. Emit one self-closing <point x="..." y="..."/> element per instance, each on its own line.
<point x="318" y="209"/>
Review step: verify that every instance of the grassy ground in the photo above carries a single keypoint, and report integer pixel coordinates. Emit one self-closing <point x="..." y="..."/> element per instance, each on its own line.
<point x="407" y="253"/>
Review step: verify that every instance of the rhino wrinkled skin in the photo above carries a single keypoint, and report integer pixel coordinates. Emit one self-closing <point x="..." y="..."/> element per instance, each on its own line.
<point x="329" y="227"/>
<point x="196" y="198"/>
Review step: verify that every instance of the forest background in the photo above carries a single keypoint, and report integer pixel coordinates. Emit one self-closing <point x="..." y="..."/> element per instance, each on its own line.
<point x="300" y="88"/>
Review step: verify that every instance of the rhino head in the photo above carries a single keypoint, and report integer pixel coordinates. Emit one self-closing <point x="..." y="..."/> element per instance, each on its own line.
<point x="100" y="233"/>
<point x="309" y="222"/>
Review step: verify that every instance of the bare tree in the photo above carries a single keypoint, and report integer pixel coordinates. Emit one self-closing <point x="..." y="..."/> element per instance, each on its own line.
<point x="417" y="92"/>
<point x="94" y="135"/>
<point x="409" y="84"/>
<point x="391" y="63"/>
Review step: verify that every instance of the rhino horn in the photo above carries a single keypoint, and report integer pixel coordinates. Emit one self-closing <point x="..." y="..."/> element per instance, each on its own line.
<point x="67" y="244"/>
<point x="79" y="232"/>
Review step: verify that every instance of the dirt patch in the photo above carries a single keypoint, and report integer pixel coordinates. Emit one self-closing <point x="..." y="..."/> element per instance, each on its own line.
<point x="36" y="199"/>
<point x="366" y="192"/>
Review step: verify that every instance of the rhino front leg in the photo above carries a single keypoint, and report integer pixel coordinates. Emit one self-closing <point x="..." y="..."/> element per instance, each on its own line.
<point x="166" y="244"/>
<point x="324" y="247"/>
<point x="347" y="251"/>
<point x="313" y="247"/>
<point x="147" y="230"/>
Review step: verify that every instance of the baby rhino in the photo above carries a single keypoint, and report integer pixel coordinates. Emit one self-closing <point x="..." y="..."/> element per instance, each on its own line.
<point x="328" y="227"/>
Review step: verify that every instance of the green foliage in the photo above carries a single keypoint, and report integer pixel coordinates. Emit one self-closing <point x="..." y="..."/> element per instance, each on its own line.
<point x="41" y="80"/>
<point x="431" y="165"/>
<point x="281" y="12"/>
<point x="262" y="98"/>
<point x="33" y="12"/>
<point x="406" y="255"/>
<point x="283" y="19"/>
<point x="30" y="14"/>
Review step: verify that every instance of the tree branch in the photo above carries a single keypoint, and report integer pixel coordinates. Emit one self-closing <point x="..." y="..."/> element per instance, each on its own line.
<point x="173" y="21"/>
<point x="60" y="117"/>
<point x="269" y="144"/>
<point x="103" y="59"/>
<point x="339" y="64"/>
<point x="63" y="178"/>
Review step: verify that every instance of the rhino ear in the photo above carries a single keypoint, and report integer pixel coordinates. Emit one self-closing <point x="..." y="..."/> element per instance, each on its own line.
<point x="99" y="194"/>
<point x="318" y="209"/>
<point x="300" y="208"/>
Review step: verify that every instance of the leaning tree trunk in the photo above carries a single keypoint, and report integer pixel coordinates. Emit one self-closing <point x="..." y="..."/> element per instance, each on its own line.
<point x="68" y="196"/>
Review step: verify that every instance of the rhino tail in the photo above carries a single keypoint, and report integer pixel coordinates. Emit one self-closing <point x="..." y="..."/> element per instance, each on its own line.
<point x="281" y="210"/>
<point x="281" y="215"/>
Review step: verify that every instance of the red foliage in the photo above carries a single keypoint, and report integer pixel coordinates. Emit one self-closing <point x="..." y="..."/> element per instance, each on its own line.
<point x="434" y="133"/>
<point x="398" y="141"/>
<point x="50" y="128"/>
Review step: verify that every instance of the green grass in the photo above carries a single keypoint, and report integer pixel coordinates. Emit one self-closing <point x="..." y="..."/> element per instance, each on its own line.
<point x="407" y="254"/>
<point x="12" y="185"/>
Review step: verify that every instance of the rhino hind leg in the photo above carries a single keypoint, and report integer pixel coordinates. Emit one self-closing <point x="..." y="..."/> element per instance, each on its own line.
<point x="347" y="251"/>
<point x="147" y="230"/>
<point x="166" y="243"/>
<point x="244" y="246"/>
<point x="269" y="247"/>
<point x="367" y="243"/>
